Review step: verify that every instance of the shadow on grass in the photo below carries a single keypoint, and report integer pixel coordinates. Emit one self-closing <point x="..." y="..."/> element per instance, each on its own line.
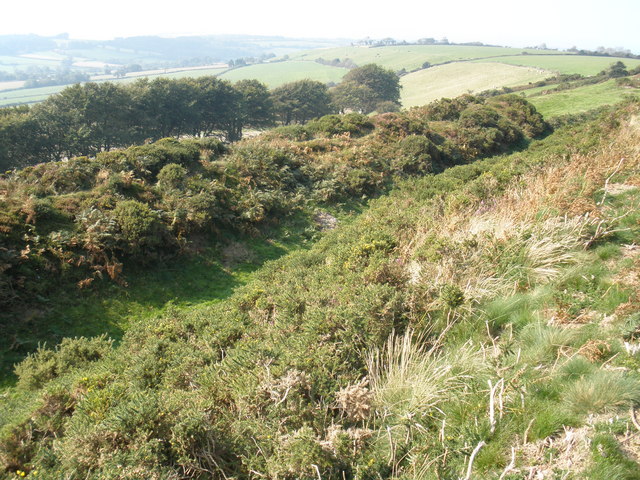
<point x="111" y="309"/>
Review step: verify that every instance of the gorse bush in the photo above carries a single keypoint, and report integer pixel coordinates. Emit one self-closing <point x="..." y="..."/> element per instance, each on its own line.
<point x="85" y="217"/>
<point x="45" y="364"/>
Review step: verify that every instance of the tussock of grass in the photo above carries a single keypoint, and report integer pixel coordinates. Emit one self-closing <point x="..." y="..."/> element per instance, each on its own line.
<point x="544" y="344"/>
<point x="410" y="378"/>
<point x="602" y="391"/>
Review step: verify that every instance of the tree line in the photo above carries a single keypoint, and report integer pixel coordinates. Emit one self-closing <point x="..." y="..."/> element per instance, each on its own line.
<point x="85" y="119"/>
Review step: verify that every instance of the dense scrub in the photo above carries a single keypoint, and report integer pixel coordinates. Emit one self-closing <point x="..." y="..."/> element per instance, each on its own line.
<point x="465" y="324"/>
<point x="83" y="219"/>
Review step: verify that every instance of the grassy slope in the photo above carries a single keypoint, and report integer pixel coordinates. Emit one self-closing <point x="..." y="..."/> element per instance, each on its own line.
<point x="28" y="95"/>
<point x="34" y="95"/>
<point x="584" y="65"/>
<point x="186" y="73"/>
<point x="180" y="283"/>
<point x="275" y="74"/>
<point x="451" y="80"/>
<point x="580" y="99"/>
<point x="535" y="313"/>
<point x="410" y="57"/>
<point x="9" y="63"/>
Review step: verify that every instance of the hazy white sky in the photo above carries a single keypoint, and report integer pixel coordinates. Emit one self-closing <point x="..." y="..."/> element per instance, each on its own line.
<point x="559" y="23"/>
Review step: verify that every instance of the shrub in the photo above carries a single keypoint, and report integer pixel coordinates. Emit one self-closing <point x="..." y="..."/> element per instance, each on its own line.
<point x="45" y="364"/>
<point x="172" y="176"/>
<point x="140" y="226"/>
<point x="415" y="155"/>
<point x="452" y="296"/>
<point x="522" y="113"/>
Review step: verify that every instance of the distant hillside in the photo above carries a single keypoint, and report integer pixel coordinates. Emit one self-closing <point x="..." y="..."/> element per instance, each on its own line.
<point x="428" y="71"/>
<point x="412" y="57"/>
<point x="457" y="78"/>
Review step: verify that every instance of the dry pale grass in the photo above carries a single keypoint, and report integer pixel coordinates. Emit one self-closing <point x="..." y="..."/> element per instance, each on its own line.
<point x="571" y="452"/>
<point x="409" y="378"/>
<point x="546" y="215"/>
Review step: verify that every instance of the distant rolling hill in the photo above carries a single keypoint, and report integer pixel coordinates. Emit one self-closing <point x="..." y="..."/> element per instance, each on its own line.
<point x="428" y="71"/>
<point x="457" y="78"/>
<point x="275" y="74"/>
<point x="411" y="57"/>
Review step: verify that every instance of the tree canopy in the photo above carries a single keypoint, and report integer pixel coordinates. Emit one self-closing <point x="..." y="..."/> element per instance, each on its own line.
<point x="366" y="87"/>
<point x="301" y="101"/>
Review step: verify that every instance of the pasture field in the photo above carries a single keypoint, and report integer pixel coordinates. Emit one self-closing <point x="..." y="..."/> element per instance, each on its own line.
<point x="10" y="63"/>
<point x="34" y="95"/>
<point x="28" y="95"/>
<point x="453" y="79"/>
<point x="11" y="85"/>
<point x="277" y="73"/>
<point x="584" y="65"/>
<point x="581" y="99"/>
<point x="186" y="73"/>
<point x="411" y="57"/>
<point x="112" y="55"/>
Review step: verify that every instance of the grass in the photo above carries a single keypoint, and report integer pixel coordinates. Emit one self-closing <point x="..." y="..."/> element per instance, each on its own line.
<point x="603" y="391"/>
<point x="34" y="95"/>
<point x="584" y="65"/>
<point x="181" y="283"/>
<point x="451" y="80"/>
<point x="411" y="57"/>
<point x="581" y="99"/>
<point x="277" y="73"/>
<point x="409" y="379"/>
<point x="28" y="95"/>
<point x="186" y="73"/>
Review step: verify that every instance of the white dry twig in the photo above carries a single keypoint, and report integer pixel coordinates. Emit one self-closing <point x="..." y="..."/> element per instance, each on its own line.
<point x="511" y="465"/>
<point x="472" y="458"/>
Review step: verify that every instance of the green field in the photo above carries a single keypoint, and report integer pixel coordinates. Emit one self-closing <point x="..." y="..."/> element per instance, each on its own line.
<point x="181" y="74"/>
<point x="581" y="99"/>
<point x="112" y="55"/>
<point x="584" y="65"/>
<point x="10" y="63"/>
<point x="454" y="79"/>
<point x="411" y="57"/>
<point x="28" y="95"/>
<point x="277" y="73"/>
<point x="34" y="95"/>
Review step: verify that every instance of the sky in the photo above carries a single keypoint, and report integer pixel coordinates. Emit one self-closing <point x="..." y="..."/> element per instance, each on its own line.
<point x="558" y="23"/>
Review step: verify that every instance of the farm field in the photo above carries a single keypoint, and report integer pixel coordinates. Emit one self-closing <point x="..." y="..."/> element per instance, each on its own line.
<point x="34" y="95"/>
<point x="411" y="57"/>
<point x="10" y="63"/>
<point x="277" y="73"/>
<point x="112" y="55"/>
<point x="581" y="99"/>
<point x="584" y="65"/>
<point x="178" y="73"/>
<point x="11" y="85"/>
<point x="28" y="95"/>
<point x="453" y="79"/>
